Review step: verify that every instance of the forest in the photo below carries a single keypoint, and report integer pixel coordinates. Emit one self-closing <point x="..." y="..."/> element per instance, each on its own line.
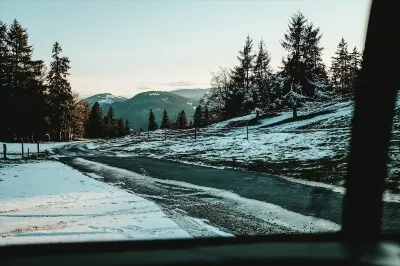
<point x="37" y="101"/>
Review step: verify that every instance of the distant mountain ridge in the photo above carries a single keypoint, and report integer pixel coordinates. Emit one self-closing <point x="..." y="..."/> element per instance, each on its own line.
<point x="105" y="99"/>
<point x="136" y="109"/>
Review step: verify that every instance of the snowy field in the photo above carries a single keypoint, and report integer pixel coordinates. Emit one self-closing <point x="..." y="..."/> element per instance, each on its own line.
<point x="49" y="202"/>
<point x="313" y="147"/>
<point x="317" y="141"/>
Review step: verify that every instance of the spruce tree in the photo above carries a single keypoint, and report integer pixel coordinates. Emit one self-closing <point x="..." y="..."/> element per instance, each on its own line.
<point x="198" y="117"/>
<point x="152" y="121"/>
<point x="293" y="67"/>
<point x="262" y="71"/>
<point x="206" y="116"/>
<point x="340" y="69"/>
<point x="22" y="86"/>
<point x="61" y="100"/>
<point x="127" y="128"/>
<point x="241" y="99"/>
<point x="95" y="122"/>
<point x="121" y="128"/>
<point x="5" y="95"/>
<point x="355" y="61"/>
<point x="165" y="123"/>
<point x="111" y="124"/>
<point x="182" y="120"/>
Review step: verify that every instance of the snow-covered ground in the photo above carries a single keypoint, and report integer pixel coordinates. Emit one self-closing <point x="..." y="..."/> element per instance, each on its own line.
<point x="49" y="202"/>
<point x="320" y="136"/>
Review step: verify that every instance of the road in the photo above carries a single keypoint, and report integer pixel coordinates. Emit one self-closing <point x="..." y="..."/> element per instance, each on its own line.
<point x="236" y="201"/>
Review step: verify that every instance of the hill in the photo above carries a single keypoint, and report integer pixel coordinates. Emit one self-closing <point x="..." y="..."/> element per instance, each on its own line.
<point x="193" y="94"/>
<point x="136" y="109"/>
<point x="104" y="99"/>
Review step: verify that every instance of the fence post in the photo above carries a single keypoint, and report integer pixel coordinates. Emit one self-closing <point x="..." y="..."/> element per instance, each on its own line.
<point x="22" y="149"/>
<point x="195" y="132"/>
<point x="4" y="151"/>
<point x="28" y="153"/>
<point x="38" y="149"/>
<point x="247" y="131"/>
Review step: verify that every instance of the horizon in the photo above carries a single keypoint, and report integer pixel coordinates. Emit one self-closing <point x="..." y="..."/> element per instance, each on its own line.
<point x="137" y="46"/>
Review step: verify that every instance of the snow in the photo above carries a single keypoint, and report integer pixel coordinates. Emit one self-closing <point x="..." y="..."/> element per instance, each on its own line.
<point x="154" y="94"/>
<point x="50" y="202"/>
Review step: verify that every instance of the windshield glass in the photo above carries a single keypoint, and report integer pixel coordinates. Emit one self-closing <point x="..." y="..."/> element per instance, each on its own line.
<point x="130" y="120"/>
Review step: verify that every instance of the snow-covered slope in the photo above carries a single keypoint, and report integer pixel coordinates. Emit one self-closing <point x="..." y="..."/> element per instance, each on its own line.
<point x="312" y="147"/>
<point x="105" y="99"/>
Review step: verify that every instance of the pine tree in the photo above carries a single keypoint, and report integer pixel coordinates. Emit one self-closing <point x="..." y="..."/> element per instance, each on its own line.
<point x="165" y="123"/>
<point x="182" y="120"/>
<point x="95" y="123"/>
<point x="262" y="71"/>
<point x="340" y="69"/>
<point x="121" y="128"/>
<point x="61" y="100"/>
<point x="152" y="121"/>
<point x="4" y="85"/>
<point x="355" y="61"/>
<point x="127" y="128"/>
<point x="198" y="117"/>
<point x="22" y="88"/>
<point x="206" y="116"/>
<point x="293" y="67"/>
<point x="190" y="124"/>
<point x="242" y="80"/>
<point x="110" y="124"/>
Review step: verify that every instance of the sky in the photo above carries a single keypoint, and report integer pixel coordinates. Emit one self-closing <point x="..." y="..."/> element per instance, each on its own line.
<point x="125" y="47"/>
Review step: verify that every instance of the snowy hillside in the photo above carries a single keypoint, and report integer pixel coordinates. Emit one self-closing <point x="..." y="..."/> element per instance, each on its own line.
<point x="312" y="147"/>
<point x="105" y="99"/>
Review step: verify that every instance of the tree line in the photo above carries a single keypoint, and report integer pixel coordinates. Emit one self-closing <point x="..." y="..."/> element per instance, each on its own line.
<point x="200" y="119"/>
<point x="36" y="102"/>
<point x="302" y="77"/>
<point x="108" y="126"/>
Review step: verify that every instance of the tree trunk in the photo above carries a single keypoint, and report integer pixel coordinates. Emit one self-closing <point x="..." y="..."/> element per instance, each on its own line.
<point x="294" y="111"/>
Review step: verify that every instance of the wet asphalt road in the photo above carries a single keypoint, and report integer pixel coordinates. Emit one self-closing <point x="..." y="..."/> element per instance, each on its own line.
<point x="296" y="197"/>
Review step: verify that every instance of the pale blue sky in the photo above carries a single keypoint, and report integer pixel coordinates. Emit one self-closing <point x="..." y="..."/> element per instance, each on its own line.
<point x="125" y="46"/>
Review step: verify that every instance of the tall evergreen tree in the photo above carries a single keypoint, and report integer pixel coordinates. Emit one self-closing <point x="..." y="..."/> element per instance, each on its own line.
<point x="355" y="62"/>
<point x="198" y="117"/>
<point x="303" y="71"/>
<point x="152" y="121"/>
<point x="95" y="123"/>
<point x="4" y="84"/>
<point x="127" y="128"/>
<point x="242" y="80"/>
<point x="121" y="128"/>
<point x="340" y="69"/>
<point x="165" y="123"/>
<point x="61" y="101"/>
<point x="110" y="124"/>
<point x="23" y="88"/>
<point x="262" y="71"/>
<point x="182" y="120"/>
<point x="206" y="116"/>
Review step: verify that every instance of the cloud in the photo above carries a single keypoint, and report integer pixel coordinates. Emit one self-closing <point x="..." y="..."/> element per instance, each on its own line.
<point x="147" y="85"/>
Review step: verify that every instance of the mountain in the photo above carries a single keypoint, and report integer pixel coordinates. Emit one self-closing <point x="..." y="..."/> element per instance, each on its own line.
<point x="136" y="109"/>
<point x="104" y="99"/>
<point x="193" y="94"/>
